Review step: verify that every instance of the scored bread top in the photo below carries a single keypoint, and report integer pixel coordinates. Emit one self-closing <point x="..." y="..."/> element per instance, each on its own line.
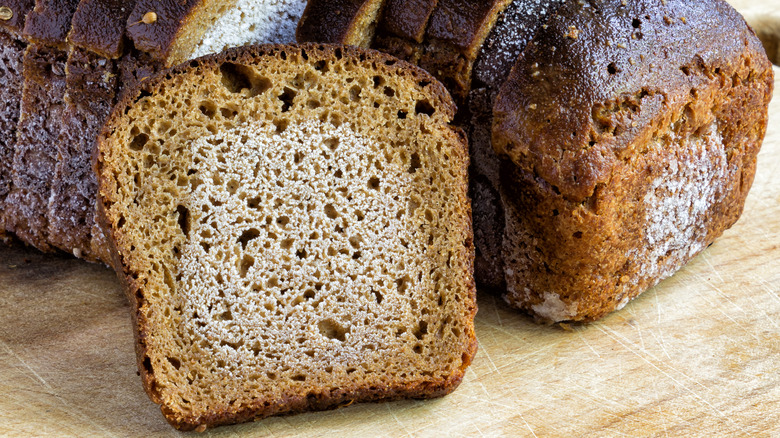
<point x="99" y="26"/>
<point x="339" y="22"/>
<point x="294" y="232"/>
<point x="49" y="22"/>
<point x="604" y="77"/>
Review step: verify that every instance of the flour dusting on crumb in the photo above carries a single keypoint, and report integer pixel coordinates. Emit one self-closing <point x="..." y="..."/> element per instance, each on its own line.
<point x="677" y="204"/>
<point x="253" y="22"/>
<point x="303" y="210"/>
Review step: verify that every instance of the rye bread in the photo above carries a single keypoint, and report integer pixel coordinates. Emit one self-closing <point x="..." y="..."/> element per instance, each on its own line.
<point x="12" y="46"/>
<point x="35" y="155"/>
<point x="623" y="161"/>
<point x="292" y="226"/>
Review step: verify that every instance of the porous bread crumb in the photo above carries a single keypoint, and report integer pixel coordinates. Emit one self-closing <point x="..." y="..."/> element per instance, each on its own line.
<point x="314" y="248"/>
<point x="252" y="22"/>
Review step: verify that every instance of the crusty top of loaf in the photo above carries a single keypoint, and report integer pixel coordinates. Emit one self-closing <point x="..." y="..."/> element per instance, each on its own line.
<point x="337" y="22"/>
<point x="99" y="26"/>
<point x="556" y="115"/>
<point x="509" y="36"/>
<point x="49" y="22"/>
<point x="19" y="10"/>
<point x="407" y="18"/>
<point x="464" y="24"/>
<point x="169" y="30"/>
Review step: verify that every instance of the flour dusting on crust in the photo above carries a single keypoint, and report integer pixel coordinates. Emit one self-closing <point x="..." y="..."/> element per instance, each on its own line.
<point x="677" y="204"/>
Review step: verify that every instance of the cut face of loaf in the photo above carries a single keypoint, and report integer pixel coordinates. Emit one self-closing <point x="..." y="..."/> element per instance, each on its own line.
<point x="511" y="33"/>
<point x="91" y="87"/>
<point x="12" y="47"/>
<point x="293" y="228"/>
<point x="40" y="118"/>
<point x="620" y="170"/>
<point x="252" y="22"/>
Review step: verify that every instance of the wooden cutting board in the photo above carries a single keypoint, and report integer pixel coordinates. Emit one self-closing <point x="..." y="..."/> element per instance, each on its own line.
<point x="699" y="355"/>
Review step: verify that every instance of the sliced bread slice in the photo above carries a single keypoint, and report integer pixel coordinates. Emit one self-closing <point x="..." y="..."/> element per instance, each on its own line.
<point x="12" y="47"/>
<point x="35" y="154"/>
<point x="293" y="228"/>
<point x="92" y="82"/>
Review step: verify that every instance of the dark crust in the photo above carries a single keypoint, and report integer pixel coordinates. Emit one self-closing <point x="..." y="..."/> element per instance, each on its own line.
<point x="580" y="205"/>
<point x="20" y="10"/>
<point x="158" y="37"/>
<point x="49" y="22"/>
<point x="407" y="18"/>
<point x="553" y="93"/>
<point x="99" y="26"/>
<point x="514" y="28"/>
<point x="334" y="22"/>
<point x="134" y="289"/>
<point x="464" y="23"/>
<point x="453" y="40"/>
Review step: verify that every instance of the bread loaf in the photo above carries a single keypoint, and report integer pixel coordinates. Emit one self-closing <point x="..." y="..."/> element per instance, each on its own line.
<point x="574" y="265"/>
<point x="293" y="228"/>
<point x="625" y="160"/>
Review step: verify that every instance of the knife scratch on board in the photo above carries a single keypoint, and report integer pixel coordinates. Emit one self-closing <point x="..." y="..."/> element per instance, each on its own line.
<point x="585" y="341"/>
<point x="37" y="376"/>
<point x="668" y="374"/>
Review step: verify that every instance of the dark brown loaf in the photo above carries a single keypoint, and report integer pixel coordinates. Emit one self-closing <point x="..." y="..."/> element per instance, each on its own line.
<point x="92" y="84"/>
<point x="329" y="227"/>
<point x="12" y="46"/>
<point x="630" y="131"/>
<point x="41" y="108"/>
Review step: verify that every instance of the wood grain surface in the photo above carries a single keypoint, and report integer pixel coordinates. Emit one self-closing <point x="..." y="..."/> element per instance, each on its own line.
<point x="699" y="355"/>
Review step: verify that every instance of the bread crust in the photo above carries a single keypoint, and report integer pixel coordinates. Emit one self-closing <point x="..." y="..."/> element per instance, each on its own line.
<point x="135" y="287"/>
<point x="99" y="26"/>
<point x="350" y="22"/>
<point x="49" y="22"/>
<point x="593" y="116"/>
<point x="169" y="29"/>
<point x="407" y="19"/>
